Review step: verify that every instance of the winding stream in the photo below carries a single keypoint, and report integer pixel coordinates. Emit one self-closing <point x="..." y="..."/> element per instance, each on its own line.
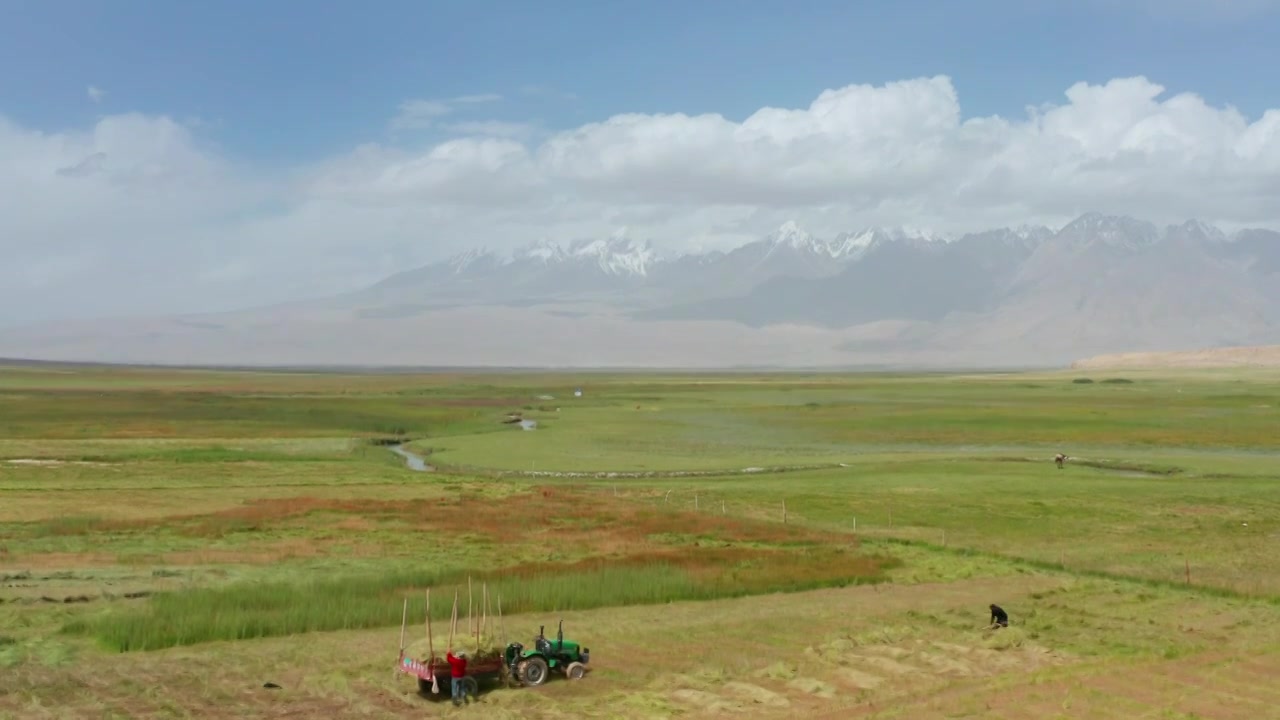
<point x="415" y="462"/>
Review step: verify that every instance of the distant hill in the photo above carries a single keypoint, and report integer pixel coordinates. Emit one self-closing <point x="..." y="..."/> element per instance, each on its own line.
<point x="1231" y="357"/>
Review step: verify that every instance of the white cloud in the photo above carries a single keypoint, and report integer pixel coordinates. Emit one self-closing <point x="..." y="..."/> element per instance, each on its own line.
<point x="137" y="213"/>
<point x="419" y="114"/>
<point x="491" y="128"/>
<point x="96" y="94"/>
<point x="481" y="98"/>
<point x="422" y="114"/>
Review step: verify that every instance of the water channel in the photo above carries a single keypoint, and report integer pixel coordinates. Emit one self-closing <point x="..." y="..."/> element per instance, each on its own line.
<point x="413" y="461"/>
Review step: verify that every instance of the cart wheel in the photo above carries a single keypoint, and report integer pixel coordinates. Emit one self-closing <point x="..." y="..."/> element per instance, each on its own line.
<point x="532" y="672"/>
<point x="575" y="671"/>
<point x="470" y="687"/>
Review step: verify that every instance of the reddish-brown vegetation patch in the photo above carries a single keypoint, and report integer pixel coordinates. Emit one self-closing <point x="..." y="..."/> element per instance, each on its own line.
<point x="545" y="510"/>
<point x="575" y="522"/>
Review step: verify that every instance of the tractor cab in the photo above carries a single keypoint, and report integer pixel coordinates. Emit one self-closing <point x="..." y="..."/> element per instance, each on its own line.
<point x="541" y="643"/>
<point x="531" y="666"/>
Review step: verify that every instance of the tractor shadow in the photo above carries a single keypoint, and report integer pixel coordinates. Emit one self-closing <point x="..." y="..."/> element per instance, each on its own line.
<point x="476" y="689"/>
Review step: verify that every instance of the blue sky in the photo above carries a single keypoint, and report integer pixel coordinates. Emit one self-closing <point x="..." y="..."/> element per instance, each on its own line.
<point x="235" y="152"/>
<point x="289" y="81"/>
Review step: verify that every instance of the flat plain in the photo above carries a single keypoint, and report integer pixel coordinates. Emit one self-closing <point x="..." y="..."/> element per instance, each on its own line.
<point x="760" y="544"/>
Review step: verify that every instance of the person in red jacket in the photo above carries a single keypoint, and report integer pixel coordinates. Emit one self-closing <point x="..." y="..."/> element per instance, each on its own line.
<point x="457" y="668"/>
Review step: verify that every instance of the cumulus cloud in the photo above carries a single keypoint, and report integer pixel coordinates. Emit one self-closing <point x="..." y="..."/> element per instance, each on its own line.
<point x="147" y="216"/>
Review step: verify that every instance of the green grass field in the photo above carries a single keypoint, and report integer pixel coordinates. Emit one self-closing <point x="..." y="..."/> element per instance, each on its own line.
<point x="731" y="543"/>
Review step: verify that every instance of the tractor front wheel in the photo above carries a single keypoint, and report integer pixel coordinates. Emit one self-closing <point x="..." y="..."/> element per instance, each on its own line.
<point x="575" y="671"/>
<point x="532" y="672"/>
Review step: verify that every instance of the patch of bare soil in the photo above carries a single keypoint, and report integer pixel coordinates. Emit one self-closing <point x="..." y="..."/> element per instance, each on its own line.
<point x="1263" y="356"/>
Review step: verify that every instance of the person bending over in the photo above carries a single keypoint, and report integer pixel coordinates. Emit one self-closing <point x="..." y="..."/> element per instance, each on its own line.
<point x="999" y="618"/>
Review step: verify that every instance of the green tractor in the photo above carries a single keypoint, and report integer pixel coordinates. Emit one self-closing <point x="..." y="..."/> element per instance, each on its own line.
<point x="531" y="667"/>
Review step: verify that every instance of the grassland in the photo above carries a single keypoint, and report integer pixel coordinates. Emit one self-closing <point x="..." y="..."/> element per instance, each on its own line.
<point x="768" y="544"/>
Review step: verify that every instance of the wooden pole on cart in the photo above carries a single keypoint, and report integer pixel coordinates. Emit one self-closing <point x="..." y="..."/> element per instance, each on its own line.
<point x="453" y="621"/>
<point x="502" y="630"/>
<point x="480" y="616"/>
<point x="502" y="625"/>
<point x="404" y="617"/>
<point x="431" y="647"/>
<point x="431" y="650"/>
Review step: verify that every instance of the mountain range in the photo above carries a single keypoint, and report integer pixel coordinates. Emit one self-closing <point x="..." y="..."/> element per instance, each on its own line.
<point x="1020" y="296"/>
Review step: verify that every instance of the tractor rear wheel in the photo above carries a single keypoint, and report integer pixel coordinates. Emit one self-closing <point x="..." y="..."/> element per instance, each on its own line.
<point x="575" y="671"/>
<point x="532" y="672"/>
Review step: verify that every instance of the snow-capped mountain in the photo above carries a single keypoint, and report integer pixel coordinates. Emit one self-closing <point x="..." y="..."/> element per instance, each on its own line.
<point x="791" y="235"/>
<point x="614" y="256"/>
<point x="473" y="260"/>
<point x="844" y="246"/>
<point x="1106" y="282"/>
<point x="1023" y="294"/>
<point x="617" y="255"/>
<point x="542" y="251"/>
<point x="877" y="274"/>
<point x="842" y="276"/>
<point x="1093" y="230"/>
<point x="1196" y="231"/>
<point x="851" y="246"/>
<point x="619" y="265"/>
<point x="622" y="256"/>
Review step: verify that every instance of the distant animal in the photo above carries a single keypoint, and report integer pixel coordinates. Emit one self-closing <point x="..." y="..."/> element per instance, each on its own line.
<point x="1059" y="459"/>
